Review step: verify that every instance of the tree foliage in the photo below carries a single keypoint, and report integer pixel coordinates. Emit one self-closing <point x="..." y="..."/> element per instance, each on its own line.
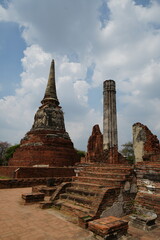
<point x="6" y="152"/>
<point x="10" y="151"/>
<point x="3" y="148"/>
<point x="80" y="153"/>
<point x="128" y="152"/>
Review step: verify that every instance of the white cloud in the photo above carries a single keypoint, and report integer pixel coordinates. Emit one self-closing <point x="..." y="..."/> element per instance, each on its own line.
<point x="3" y="14"/>
<point x="58" y="26"/>
<point x="17" y="111"/>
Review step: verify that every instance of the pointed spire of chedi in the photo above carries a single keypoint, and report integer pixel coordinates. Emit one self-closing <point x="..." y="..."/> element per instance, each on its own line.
<point x="49" y="115"/>
<point x="50" y="93"/>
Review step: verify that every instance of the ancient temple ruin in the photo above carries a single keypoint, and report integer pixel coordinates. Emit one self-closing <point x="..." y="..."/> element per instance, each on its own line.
<point x="101" y="191"/>
<point x="47" y="143"/>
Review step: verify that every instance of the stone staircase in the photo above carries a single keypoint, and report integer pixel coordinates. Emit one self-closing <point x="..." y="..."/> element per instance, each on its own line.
<point x="94" y="190"/>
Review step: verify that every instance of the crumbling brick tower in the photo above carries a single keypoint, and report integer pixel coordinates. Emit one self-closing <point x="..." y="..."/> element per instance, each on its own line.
<point x="47" y="143"/>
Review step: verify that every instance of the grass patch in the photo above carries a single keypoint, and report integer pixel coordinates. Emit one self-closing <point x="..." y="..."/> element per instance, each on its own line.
<point x="3" y="177"/>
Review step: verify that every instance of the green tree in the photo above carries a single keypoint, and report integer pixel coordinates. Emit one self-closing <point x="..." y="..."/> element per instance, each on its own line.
<point x="6" y="152"/>
<point x="3" y="148"/>
<point x="80" y="153"/>
<point x="128" y="152"/>
<point x="9" y="152"/>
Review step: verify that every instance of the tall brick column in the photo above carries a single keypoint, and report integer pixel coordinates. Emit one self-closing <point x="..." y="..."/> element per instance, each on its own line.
<point x="110" y="138"/>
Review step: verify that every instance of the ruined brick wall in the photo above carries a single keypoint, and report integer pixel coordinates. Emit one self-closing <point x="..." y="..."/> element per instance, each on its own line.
<point x="95" y="152"/>
<point x="112" y="156"/>
<point x="148" y="181"/>
<point x="36" y="172"/>
<point x="28" y="172"/>
<point x="30" y="182"/>
<point x="146" y="145"/>
<point x="44" y="148"/>
<point x="7" y="171"/>
<point x="95" y="145"/>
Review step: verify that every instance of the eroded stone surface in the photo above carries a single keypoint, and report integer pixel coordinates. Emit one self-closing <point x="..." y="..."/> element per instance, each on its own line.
<point x="146" y="145"/>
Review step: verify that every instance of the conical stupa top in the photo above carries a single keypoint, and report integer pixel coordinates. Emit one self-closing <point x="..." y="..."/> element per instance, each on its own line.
<point x="50" y="93"/>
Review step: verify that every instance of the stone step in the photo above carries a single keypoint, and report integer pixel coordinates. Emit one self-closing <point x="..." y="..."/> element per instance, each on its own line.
<point x="121" y="176"/>
<point x="85" y="186"/>
<point x="33" y="197"/>
<point x="112" y="169"/>
<point x="77" y="199"/>
<point x="48" y="191"/>
<point x="45" y="204"/>
<point x="106" y="182"/>
<point x="83" y="192"/>
<point x="71" y="208"/>
<point x="149" y="198"/>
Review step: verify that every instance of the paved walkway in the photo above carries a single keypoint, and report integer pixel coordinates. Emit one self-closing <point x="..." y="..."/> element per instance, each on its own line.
<point x="29" y="222"/>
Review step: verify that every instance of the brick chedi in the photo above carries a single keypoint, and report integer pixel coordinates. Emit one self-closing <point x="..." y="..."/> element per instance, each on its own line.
<point x="47" y="143"/>
<point x="95" y="145"/>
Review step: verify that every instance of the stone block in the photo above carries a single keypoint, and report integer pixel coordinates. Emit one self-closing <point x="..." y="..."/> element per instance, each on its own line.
<point x="144" y="220"/>
<point x="109" y="226"/>
<point x="33" y="197"/>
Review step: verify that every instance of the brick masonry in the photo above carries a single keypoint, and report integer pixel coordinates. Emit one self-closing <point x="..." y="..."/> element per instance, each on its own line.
<point x="36" y="172"/>
<point x="41" y="147"/>
<point x="30" y="182"/>
<point x="146" y="144"/>
<point x="148" y="181"/>
<point x="95" y="145"/>
<point x="6" y="171"/>
<point x="96" y="153"/>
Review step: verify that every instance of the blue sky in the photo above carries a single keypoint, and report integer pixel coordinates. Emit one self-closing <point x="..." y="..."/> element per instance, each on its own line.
<point x="91" y="41"/>
<point x="11" y="52"/>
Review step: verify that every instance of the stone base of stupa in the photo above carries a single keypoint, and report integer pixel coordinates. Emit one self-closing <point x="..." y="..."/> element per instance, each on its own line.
<point x="45" y="148"/>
